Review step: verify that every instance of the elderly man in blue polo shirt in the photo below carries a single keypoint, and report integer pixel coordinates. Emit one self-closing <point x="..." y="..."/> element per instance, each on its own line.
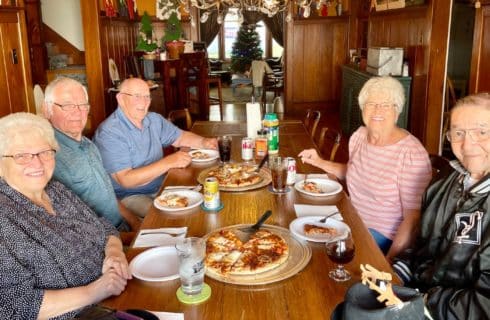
<point x="78" y="162"/>
<point x="130" y="141"/>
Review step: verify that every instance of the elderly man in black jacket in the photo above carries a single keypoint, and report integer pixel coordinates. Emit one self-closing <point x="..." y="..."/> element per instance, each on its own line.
<point x="450" y="261"/>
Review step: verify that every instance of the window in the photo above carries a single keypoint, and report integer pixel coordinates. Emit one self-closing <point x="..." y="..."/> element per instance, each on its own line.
<point x="222" y="44"/>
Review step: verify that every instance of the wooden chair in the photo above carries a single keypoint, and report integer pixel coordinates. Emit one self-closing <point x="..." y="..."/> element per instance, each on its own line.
<point x="181" y="118"/>
<point x="440" y="166"/>
<point x="311" y="121"/>
<point x="329" y="142"/>
<point x="216" y="79"/>
<point x="273" y="83"/>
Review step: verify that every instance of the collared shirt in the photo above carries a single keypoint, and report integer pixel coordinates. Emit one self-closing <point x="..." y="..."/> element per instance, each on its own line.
<point x="79" y="167"/>
<point x="122" y="145"/>
<point x="40" y="251"/>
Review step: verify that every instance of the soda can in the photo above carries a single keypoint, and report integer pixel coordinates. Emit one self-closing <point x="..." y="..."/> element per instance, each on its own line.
<point x="247" y="149"/>
<point x="211" y="193"/>
<point x="291" y="171"/>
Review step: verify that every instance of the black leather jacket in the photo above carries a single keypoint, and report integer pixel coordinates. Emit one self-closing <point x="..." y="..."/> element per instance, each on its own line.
<point x="450" y="260"/>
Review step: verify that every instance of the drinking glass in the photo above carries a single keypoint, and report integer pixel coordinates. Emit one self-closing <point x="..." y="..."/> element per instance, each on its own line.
<point x="279" y="172"/>
<point x="191" y="252"/>
<point x="340" y="251"/>
<point x="224" y="146"/>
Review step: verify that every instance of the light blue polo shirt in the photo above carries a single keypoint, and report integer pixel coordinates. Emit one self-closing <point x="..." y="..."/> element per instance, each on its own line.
<point x="79" y="167"/>
<point x="122" y="145"/>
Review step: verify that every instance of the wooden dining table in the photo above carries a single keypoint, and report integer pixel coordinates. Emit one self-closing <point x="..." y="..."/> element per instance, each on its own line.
<point x="309" y="294"/>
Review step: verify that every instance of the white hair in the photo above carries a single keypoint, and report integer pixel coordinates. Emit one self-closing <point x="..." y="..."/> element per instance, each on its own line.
<point x="25" y="125"/>
<point x="50" y="88"/>
<point x="386" y="85"/>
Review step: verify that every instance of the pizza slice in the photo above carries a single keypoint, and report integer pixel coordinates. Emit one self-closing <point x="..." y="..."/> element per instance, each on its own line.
<point x="311" y="229"/>
<point x="173" y="200"/>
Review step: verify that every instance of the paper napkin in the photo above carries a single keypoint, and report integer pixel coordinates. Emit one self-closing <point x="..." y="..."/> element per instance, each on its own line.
<point x="303" y="210"/>
<point x="254" y="119"/>
<point x="168" y="315"/>
<point x="153" y="237"/>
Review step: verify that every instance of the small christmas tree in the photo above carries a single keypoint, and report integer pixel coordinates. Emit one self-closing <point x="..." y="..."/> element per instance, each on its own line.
<point x="145" y="38"/>
<point x="246" y="48"/>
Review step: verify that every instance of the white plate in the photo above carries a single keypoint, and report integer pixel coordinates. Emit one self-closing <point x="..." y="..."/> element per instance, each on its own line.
<point x="297" y="228"/>
<point x="328" y="187"/>
<point x="156" y="264"/>
<point x="194" y="198"/>
<point x="213" y="155"/>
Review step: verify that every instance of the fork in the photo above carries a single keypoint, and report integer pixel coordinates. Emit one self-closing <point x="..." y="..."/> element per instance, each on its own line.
<point x="197" y="187"/>
<point x="324" y="219"/>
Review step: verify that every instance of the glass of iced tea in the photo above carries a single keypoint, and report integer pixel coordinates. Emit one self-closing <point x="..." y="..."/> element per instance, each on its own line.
<point x="341" y="251"/>
<point x="279" y="173"/>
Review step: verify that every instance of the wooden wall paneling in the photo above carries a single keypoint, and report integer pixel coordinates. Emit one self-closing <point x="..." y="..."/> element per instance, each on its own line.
<point x="314" y="48"/>
<point x="480" y="64"/>
<point x="410" y="29"/>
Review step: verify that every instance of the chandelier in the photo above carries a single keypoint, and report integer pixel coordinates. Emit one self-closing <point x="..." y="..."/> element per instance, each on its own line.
<point x="267" y="7"/>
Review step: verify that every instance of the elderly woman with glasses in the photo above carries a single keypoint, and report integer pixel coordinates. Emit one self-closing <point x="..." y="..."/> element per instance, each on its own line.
<point x="56" y="255"/>
<point x="450" y="260"/>
<point x="388" y="168"/>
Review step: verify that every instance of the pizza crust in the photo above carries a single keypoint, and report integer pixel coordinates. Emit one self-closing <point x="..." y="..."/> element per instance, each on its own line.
<point x="235" y="175"/>
<point x="311" y="229"/>
<point x="226" y="255"/>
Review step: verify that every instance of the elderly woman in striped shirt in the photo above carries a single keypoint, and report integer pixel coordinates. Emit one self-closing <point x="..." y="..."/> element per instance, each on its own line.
<point x="388" y="168"/>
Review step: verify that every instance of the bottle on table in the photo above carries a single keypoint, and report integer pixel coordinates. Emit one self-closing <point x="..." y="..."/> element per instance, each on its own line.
<point x="261" y="143"/>
<point x="271" y="123"/>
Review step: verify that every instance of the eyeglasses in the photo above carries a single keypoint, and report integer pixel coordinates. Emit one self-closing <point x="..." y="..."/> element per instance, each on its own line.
<point x="477" y="135"/>
<point x="72" y="106"/>
<point x="383" y="106"/>
<point x="25" y="158"/>
<point x="138" y="96"/>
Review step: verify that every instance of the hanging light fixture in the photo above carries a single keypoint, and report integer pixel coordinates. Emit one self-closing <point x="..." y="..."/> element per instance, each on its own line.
<point x="267" y="7"/>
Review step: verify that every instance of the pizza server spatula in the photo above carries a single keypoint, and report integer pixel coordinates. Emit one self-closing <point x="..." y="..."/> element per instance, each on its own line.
<point x="244" y="234"/>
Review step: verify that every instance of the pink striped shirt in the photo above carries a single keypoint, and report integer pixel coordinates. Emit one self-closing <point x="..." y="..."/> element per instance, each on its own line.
<point x="382" y="181"/>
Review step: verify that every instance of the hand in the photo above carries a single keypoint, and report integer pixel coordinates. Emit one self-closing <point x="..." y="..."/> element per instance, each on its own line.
<point x="309" y="156"/>
<point x="109" y="284"/>
<point x="178" y="159"/>
<point x="116" y="261"/>
<point x="210" y="143"/>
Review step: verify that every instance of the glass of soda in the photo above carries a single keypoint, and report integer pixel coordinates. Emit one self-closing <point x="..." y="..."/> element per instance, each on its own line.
<point x="224" y="146"/>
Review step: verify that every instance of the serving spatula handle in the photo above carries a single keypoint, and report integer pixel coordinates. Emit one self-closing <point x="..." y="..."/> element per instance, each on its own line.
<point x="261" y="220"/>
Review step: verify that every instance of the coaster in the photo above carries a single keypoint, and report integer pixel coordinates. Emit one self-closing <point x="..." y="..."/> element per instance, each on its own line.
<point x="198" y="298"/>
<point x="275" y="192"/>
<point x="212" y="210"/>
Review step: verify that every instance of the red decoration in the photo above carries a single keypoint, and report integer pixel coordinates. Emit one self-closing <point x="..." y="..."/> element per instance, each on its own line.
<point x="109" y="8"/>
<point x="130" y="5"/>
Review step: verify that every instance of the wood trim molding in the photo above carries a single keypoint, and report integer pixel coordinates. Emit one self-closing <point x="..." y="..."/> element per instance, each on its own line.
<point x="93" y="62"/>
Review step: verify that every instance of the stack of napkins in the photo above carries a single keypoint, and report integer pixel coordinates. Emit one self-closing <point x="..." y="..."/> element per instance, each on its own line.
<point x="159" y="237"/>
<point x="303" y="210"/>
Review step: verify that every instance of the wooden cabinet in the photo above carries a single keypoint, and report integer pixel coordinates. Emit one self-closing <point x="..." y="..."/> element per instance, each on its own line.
<point x="15" y="71"/>
<point x="350" y="113"/>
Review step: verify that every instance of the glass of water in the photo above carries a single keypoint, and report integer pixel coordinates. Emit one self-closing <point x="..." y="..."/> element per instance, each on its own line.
<point x="191" y="252"/>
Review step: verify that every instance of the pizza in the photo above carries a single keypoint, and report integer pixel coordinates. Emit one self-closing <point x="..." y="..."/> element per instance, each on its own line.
<point x="173" y="200"/>
<point x="312" y="187"/>
<point x="311" y="229"/>
<point x="199" y="155"/>
<point x="227" y="255"/>
<point x="235" y="175"/>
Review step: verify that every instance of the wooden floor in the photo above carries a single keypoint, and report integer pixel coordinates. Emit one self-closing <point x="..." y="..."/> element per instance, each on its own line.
<point x="237" y="112"/>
